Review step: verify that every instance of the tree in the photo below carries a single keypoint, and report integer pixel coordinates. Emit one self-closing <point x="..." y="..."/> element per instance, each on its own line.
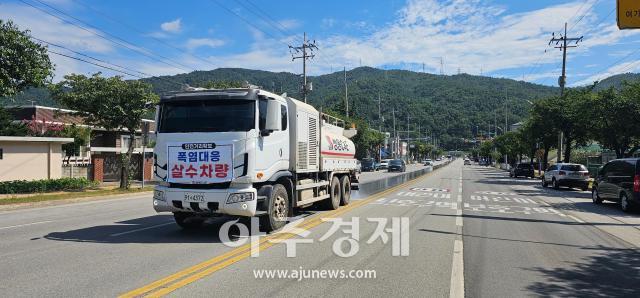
<point x="23" y="63"/>
<point x="541" y="128"/>
<point x="8" y="127"/>
<point x="220" y="84"/>
<point x="81" y="136"/>
<point x="614" y="119"/>
<point x="111" y="103"/>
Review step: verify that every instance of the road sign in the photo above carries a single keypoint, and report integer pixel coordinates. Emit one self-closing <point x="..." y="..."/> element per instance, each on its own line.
<point x="628" y="14"/>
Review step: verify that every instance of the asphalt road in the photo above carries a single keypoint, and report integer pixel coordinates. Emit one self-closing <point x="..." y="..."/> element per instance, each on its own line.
<point x="458" y="231"/>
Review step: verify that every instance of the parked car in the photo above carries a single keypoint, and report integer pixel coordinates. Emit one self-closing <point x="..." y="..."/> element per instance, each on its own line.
<point x="618" y="181"/>
<point x="384" y="164"/>
<point x="439" y="159"/>
<point x="428" y="162"/>
<point x="522" y="169"/>
<point x="467" y="162"/>
<point x="369" y="165"/>
<point x="397" y="165"/>
<point x="566" y="174"/>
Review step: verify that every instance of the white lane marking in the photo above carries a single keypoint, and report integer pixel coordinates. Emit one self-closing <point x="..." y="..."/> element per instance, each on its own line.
<point x="460" y="198"/>
<point x="456" y="287"/>
<point x="141" y="229"/>
<point x="575" y="218"/>
<point x="24" y="225"/>
<point x="458" y="221"/>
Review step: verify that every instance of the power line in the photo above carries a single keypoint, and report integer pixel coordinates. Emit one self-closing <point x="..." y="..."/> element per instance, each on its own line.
<point x="96" y="64"/>
<point x="584" y="14"/>
<point x="268" y="19"/>
<point x="247" y="22"/>
<point x="536" y="66"/>
<point x="105" y="16"/>
<point x="101" y="61"/>
<point x="133" y="47"/>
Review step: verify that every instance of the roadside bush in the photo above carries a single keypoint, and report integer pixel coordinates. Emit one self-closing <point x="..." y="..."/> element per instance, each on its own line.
<point x="46" y="185"/>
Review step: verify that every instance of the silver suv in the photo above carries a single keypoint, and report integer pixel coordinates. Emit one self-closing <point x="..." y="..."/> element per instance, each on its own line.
<point x="566" y="174"/>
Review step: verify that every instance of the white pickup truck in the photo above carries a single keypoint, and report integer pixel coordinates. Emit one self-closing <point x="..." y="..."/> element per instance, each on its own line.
<point x="248" y="152"/>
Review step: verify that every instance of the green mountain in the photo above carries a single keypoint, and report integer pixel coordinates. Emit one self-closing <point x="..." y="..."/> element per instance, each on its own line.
<point x="617" y="80"/>
<point x="450" y="107"/>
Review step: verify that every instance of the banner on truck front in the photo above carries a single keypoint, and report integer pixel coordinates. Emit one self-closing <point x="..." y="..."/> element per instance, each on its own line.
<point x="199" y="163"/>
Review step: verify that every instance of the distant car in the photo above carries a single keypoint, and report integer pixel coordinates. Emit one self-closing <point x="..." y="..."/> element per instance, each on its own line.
<point x="428" y="163"/>
<point x="566" y="174"/>
<point x="618" y="181"/>
<point x="384" y="164"/>
<point x="522" y="169"/>
<point x="467" y="162"/>
<point x="439" y="159"/>
<point x="397" y="165"/>
<point x="369" y="165"/>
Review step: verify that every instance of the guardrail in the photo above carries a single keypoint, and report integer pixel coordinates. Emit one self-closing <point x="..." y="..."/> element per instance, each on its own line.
<point x="376" y="186"/>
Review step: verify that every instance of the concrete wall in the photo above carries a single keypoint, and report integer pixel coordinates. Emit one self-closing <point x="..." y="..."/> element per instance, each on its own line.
<point x="30" y="160"/>
<point x="76" y="171"/>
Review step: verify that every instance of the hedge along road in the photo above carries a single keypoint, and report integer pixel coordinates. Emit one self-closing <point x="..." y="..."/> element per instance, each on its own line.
<point x="98" y="248"/>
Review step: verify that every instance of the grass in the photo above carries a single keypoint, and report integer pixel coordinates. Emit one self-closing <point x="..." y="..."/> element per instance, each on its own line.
<point x="71" y="195"/>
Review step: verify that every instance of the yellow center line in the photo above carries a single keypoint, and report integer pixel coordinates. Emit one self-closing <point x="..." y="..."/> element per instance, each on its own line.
<point x="196" y="272"/>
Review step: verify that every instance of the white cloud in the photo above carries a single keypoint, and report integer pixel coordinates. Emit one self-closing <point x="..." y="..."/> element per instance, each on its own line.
<point x="327" y="23"/>
<point x="289" y="24"/>
<point x="172" y="27"/>
<point x="53" y="30"/>
<point x="194" y="43"/>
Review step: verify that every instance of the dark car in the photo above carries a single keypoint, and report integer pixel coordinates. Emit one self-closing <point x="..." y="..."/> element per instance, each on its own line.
<point x="397" y="165"/>
<point x="369" y="165"/>
<point x="522" y="169"/>
<point x="618" y="181"/>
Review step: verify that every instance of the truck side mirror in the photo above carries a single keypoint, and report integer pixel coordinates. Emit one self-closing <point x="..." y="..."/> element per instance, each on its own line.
<point x="272" y="122"/>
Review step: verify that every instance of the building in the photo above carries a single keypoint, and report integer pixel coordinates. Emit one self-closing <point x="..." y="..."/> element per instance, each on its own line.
<point x="101" y="156"/>
<point x="31" y="158"/>
<point x="515" y="126"/>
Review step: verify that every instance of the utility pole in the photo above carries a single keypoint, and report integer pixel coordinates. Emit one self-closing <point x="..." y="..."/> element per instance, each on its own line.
<point x="563" y="43"/>
<point x="441" y="65"/>
<point x="307" y="52"/>
<point x="422" y="67"/>
<point x="346" y="93"/>
<point x="395" y="132"/>
<point x="380" y="114"/>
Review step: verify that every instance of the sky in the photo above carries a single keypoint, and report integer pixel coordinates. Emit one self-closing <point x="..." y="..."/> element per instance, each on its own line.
<point x="497" y="38"/>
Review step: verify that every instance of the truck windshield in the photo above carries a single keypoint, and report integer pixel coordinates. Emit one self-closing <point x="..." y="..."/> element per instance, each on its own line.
<point x="207" y="116"/>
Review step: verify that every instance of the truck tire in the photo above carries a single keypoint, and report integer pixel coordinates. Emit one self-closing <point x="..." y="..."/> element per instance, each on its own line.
<point x="187" y="221"/>
<point x="345" y="190"/>
<point x="277" y="210"/>
<point x="333" y="202"/>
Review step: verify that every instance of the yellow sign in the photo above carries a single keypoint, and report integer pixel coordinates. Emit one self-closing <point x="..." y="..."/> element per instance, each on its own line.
<point x="628" y="14"/>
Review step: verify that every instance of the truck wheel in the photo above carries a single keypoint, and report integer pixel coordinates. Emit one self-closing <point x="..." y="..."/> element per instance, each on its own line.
<point x="277" y="210"/>
<point x="187" y="221"/>
<point x="345" y="193"/>
<point x="333" y="202"/>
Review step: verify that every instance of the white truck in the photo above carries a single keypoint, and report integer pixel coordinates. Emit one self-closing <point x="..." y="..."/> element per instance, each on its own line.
<point x="248" y="152"/>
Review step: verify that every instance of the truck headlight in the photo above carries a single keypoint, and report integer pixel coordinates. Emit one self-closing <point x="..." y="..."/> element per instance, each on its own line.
<point x="240" y="197"/>
<point x="158" y="195"/>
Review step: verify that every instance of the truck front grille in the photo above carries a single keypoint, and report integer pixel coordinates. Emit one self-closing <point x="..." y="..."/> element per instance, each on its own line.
<point x="223" y="185"/>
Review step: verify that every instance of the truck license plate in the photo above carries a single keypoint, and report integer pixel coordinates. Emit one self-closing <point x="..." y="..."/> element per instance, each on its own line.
<point x="194" y="197"/>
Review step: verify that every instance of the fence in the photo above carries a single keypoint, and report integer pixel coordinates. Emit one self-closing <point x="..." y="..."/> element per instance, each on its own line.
<point x="77" y="171"/>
